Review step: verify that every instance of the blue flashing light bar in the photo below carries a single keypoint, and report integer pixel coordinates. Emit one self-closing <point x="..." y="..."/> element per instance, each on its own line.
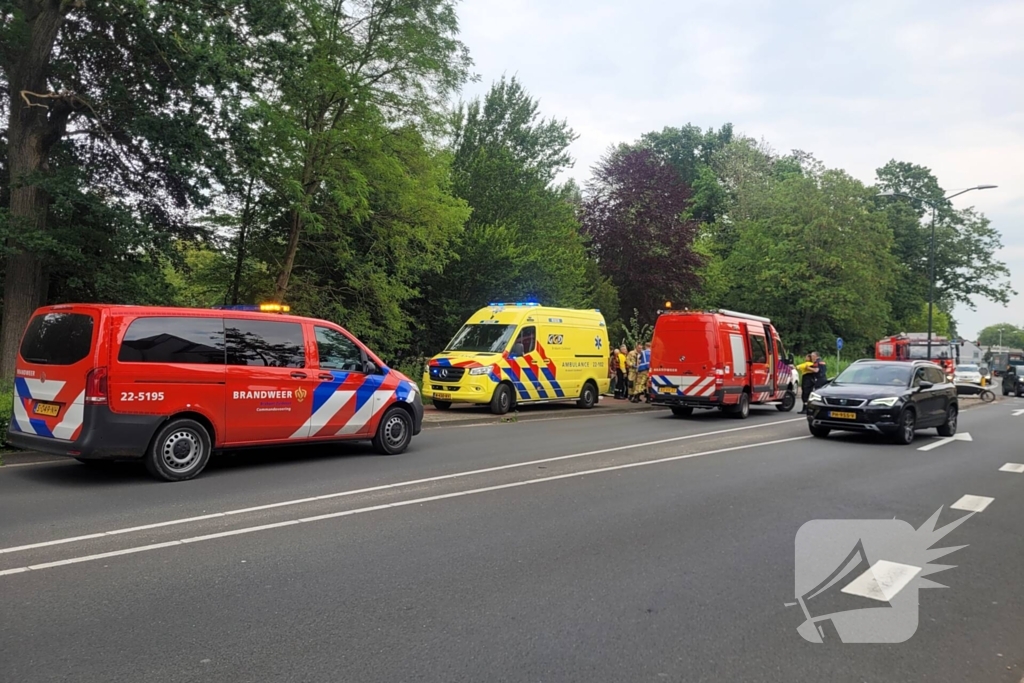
<point x="514" y="303"/>
<point x="257" y="308"/>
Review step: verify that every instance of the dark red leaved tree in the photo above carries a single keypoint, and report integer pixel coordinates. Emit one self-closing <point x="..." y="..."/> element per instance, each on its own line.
<point x="632" y="214"/>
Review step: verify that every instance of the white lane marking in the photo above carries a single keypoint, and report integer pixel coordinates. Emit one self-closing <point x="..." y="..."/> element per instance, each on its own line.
<point x="403" y="503"/>
<point x="882" y="581"/>
<point x="1017" y="413"/>
<point x="1012" y="467"/>
<point x="384" y="487"/>
<point x="972" y="503"/>
<point x="963" y="436"/>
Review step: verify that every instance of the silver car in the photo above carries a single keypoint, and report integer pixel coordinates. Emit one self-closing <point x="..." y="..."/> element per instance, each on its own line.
<point x="967" y="374"/>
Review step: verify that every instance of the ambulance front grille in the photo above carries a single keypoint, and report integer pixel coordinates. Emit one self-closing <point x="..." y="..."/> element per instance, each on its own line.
<point x="445" y="373"/>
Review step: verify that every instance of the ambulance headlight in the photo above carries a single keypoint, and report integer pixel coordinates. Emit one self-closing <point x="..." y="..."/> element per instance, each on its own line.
<point x="479" y="371"/>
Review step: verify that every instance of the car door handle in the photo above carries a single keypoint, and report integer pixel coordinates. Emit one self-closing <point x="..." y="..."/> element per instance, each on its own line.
<point x="298" y="375"/>
<point x="325" y="375"/>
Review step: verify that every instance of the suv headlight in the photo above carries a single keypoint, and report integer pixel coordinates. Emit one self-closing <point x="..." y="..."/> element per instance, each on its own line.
<point x="815" y="396"/>
<point x="479" y="371"/>
<point x="888" y="401"/>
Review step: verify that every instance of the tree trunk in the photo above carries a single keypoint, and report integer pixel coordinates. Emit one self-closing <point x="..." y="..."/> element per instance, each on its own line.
<point x="240" y="256"/>
<point x="289" y="258"/>
<point x="34" y="126"/>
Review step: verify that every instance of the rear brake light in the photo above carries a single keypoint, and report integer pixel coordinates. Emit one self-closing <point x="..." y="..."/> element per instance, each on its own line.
<point x="719" y="374"/>
<point x="96" y="386"/>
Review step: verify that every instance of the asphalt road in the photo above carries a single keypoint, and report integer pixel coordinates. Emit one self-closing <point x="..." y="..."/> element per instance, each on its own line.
<point x="625" y="547"/>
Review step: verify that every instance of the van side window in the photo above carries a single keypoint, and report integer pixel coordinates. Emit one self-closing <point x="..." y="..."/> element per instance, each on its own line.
<point x="739" y="355"/>
<point x="265" y="343"/>
<point x="528" y="338"/>
<point x="782" y="351"/>
<point x="758" y="350"/>
<point x="337" y="352"/>
<point x="173" y="340"/>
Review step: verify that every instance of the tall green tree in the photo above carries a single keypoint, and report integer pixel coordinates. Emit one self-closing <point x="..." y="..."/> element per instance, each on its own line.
<point x="362" y="64"/>
<point x="811" y="254"/>
<point x="966" y="244"/>
<point x="133" y="96"/>
<point x="522" y="240"/>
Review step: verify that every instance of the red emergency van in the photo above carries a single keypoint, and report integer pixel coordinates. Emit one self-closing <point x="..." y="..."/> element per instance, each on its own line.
<point x="718" y="359"/>
<point x="169" y="385"/>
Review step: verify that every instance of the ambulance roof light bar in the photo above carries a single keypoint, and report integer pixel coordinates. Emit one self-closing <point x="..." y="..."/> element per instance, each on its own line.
<point x="514" y="303"/>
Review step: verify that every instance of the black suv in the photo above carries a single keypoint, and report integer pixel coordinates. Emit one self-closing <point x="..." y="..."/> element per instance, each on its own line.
<point x="885" y="397"/>
<point x="1013" y="380"/>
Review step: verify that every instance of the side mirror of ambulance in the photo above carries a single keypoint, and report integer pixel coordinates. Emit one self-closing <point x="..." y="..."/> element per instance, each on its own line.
<point x="370" y="368"/>
<point x="517" y="351"/>
<point x="789" y="359"/>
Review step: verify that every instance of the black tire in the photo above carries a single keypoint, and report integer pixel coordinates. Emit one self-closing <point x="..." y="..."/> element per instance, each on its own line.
<point x="588" y="396"/>
<point x="819" y="432"/>
<point x="1006" y="392"/>
<point x="905" y="433"/>
<point x="501" y="401"/>
<point x="948" y="428"/>
<point x="741" y="411"/>
<point x="682" y="411"/>
<point x="1020" y="393"/>
<point x="988" y="396"/>
<point x="788" y="402"/>
<point x="179" y="451"/>
<point x="441" y="405"/>
<point x="394" y="432"/>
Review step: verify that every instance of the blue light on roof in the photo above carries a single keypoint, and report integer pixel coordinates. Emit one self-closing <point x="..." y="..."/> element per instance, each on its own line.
<point x="237" y="307"/>
<point x="514" y="303"/>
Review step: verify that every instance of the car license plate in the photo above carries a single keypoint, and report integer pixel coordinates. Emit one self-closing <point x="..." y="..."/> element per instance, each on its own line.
<point x="667" y="390"/>
<point x="47" y="409"/>
<point x="442" y="397"/>
<point x="839" y="415"/>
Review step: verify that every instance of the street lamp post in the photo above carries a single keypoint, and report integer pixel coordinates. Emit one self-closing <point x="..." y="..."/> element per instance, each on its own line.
<point x="931" y="248"/>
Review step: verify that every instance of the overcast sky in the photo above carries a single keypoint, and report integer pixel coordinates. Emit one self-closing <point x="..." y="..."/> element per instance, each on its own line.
<point x="934" y="82"/>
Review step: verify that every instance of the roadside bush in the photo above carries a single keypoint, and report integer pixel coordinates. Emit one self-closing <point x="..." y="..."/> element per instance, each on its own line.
<point x="6" y="406"/>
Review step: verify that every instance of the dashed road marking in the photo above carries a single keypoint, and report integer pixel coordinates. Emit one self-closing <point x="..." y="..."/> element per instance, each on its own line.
<point x="1012" y="467"/>
<point x="384" y="487"/>
<point x="385" y="506"/>
<point x="972" y="503"/>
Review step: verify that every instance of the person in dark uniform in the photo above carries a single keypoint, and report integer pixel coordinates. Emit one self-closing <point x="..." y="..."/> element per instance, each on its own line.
<point x="821" y="377"/>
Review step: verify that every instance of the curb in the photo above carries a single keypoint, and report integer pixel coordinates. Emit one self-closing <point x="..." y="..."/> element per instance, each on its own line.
<point x="532" y="415"/>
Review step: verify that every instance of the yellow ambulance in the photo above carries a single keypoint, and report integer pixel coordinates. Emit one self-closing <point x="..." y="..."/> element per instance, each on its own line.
<point x="509" y="353"/>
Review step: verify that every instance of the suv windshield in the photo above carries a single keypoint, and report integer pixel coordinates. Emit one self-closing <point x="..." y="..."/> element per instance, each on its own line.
<point x="482" y="338"/>
<point x="885" y="374"/>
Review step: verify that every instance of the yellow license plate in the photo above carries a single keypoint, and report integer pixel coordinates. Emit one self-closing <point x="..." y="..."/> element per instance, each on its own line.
<point x="839" y="415"/>
<point x="667" y="390"/>
<point x="442" y="397"/>
<point x="48" y="409"/>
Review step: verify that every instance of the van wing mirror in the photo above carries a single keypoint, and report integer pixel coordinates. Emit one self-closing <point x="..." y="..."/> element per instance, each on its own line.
<point x="369" y="367"/>
<point x="790" y="360"/>
<point x="517" y="351"/>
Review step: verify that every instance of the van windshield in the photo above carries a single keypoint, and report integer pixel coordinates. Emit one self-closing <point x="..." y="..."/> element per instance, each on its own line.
<point x="482" y="338"/>
<point x="57" y="339"/>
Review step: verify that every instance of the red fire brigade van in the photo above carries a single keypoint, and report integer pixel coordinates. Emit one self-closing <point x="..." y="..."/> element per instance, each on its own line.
<point x="718" y="359"/>
<point x="169" y="385"/>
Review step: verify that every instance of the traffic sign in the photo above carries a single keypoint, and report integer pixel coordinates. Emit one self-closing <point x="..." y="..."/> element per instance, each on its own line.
<point x="839" y="343"/>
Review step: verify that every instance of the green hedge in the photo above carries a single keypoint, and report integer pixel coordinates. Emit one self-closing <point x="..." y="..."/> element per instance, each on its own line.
<point x="6" y="406"/>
